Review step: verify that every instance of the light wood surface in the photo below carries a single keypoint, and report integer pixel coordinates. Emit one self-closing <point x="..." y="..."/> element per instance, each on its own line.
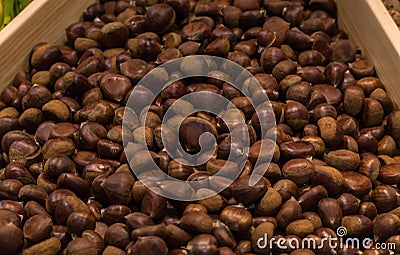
<point x="370" y="25"/>
<point x="42" y="20"/>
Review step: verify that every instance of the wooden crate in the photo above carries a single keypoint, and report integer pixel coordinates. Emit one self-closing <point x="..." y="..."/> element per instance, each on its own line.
<point x="42" y="20"/>
<point x="370" y="26"/>
<point x="367" y="22"/>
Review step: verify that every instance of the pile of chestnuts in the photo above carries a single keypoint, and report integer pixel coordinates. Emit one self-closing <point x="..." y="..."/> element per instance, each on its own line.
<point x="66" y="186"/>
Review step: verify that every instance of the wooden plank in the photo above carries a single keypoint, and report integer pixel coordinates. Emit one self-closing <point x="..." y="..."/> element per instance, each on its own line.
<point x="42" y="20"/>
<point x="370" y="25"/>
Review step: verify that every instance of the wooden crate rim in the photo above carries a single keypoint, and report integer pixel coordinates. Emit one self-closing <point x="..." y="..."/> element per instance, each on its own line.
<point x="39" y="21"/>
<point x="367" y="22"/>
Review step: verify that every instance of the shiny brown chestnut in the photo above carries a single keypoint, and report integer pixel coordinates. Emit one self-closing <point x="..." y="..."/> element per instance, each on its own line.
<point x="289" y="211"/>
<point x="78" y="222"/>
<point x="37" y="228"/>
<point x="203" y="244"/>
